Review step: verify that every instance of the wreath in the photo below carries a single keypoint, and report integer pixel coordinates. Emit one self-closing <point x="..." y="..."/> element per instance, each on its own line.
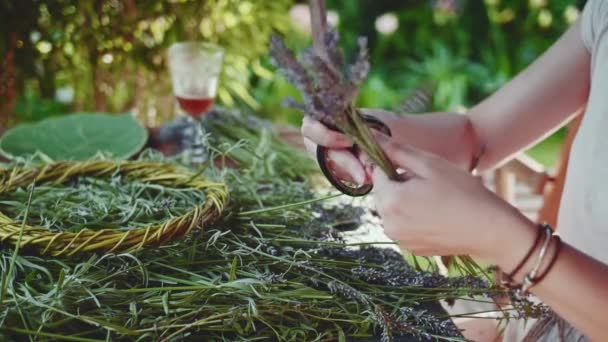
<point x="109" y="240"/>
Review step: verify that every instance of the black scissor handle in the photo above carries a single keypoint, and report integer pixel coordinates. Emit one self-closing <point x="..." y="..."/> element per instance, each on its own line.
<point x="343" y="186"/>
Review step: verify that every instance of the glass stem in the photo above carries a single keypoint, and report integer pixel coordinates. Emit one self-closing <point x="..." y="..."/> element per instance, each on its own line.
<point x="198" y="150"/>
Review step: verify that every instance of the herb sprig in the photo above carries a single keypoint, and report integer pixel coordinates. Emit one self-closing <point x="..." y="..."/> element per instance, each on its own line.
<point x="329" y="89"/>
<point x="275" y="269"/>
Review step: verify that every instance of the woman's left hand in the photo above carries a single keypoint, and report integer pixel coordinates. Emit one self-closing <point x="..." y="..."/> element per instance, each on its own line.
<point x="443" y="210"/>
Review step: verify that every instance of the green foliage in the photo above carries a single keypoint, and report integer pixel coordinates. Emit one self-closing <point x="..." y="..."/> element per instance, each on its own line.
<point x="112" y="53"/>
<point x="467" y="48"/>
<point x="378" y="93"/>
<point x="95" y="203"/>
<point x="548" y="151"/>
<point x="76" y="137"/>
<point x="254" y="146"/>
<point x="270" y="93"/>
<point x="467" y="51"/>
<point x="272" y="269"/>
<point x="31" y="108"/>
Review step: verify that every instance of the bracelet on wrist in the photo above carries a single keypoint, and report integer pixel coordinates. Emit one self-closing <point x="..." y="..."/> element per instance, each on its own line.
<point x="531" y="276"/>
<point x="507" y="278"/>
<point x="558" y="248"/>
<point x="537" y="273"/>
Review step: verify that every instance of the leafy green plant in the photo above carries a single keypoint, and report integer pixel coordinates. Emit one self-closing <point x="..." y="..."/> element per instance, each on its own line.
<point x="329" y="89"/>
<point x="31" y="108"/>
<point x="272" y="269"/>
<point x="454" y="79"/>
<point x="112" y="53"/>
<point x="254" y="146"/>
<point x="76" y="137"/>
<point x="498" y="38"/>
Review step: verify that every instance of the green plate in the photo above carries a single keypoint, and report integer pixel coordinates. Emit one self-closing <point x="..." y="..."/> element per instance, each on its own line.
<point x="78" y="136"/>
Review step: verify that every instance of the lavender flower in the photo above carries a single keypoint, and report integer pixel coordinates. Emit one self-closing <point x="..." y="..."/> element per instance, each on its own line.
<point x="348" y="292"/>
<point x="329" y="90"/>
<point x="413" y="319"/>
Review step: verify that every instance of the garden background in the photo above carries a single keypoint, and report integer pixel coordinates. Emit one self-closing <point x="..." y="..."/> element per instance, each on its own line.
<point x="64" y="56"/>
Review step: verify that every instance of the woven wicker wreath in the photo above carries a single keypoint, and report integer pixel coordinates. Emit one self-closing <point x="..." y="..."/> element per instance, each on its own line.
<point x="110" y="240"/>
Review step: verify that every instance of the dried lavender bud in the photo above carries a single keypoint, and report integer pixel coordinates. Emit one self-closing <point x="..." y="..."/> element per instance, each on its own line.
<point x="359" y="70"/>
<point x="288" y="64"/>
<point x="329" y="96"/>
<point x="386" y="323"/>
<point x="418" y="101"/>
<point x="273" y="251"/>
<point x="321" y="85"/>
<point x="409" y="323"/>
<point x="328" y="77"/>
<point x="274" y="278"/>
<point x="330" y="40"/>
<point x="395" y="276"/>
<point x="525" y="308"/>
<point x="469" y="282"/>
<point x="348" y="292"/>
<point x="423" y="324"/>
<point x="367" y="254"/>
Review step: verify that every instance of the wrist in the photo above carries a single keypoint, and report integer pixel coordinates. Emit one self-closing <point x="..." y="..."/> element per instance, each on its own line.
<point x="511" y="239"/>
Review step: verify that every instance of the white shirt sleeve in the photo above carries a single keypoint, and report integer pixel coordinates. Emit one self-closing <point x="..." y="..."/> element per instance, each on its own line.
<point x="594" y="23"/>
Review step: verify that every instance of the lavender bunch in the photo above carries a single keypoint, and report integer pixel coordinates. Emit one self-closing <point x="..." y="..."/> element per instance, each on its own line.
<point x="329" y="89"/>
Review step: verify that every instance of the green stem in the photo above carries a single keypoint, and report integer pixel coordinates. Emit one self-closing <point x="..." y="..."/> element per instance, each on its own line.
<point x="17" y="245"/>
<point x="362" y="135"/>
<point x="287" y="206"/>
<point x="60" y="337"/>
<point x="337" y="244"/>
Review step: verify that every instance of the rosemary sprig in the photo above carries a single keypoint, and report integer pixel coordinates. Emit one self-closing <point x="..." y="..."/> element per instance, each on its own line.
<point x="11" y="267"/>
<point x="99" y="203"/>
<point x="280" y="274"/>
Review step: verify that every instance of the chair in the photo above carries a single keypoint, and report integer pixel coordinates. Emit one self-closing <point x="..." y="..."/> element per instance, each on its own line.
<point x="533" y="175"/>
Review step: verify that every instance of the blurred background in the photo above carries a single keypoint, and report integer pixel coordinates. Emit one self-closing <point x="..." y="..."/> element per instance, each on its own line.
<point x="62" y="56"/>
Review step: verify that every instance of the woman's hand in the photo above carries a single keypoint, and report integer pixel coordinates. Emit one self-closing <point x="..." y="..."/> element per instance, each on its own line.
<point x="341" y="161"/>
<point x="346" y="165"/>
<point x="443" y="210"/>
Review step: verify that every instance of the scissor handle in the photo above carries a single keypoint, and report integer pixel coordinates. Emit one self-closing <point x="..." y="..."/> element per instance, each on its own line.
<point x="345" y="187"/>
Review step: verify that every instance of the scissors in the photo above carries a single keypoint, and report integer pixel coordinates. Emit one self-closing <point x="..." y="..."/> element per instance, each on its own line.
<point x="347" y="187"/>
<point x="318" y="20"/>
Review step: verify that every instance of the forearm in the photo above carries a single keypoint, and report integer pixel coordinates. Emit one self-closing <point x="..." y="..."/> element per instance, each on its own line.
<point x="576" y="290"/>
<point x="448" y="135"/>
<point x="575" y="287"/>
<point x="536" y="102"/>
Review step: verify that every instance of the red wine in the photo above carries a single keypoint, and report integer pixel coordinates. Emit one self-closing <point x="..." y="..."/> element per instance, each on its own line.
<point x="195" y="106"/>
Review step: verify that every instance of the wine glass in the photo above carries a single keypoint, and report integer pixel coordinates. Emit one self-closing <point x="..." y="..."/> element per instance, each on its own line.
<point x="194" y="69"/>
